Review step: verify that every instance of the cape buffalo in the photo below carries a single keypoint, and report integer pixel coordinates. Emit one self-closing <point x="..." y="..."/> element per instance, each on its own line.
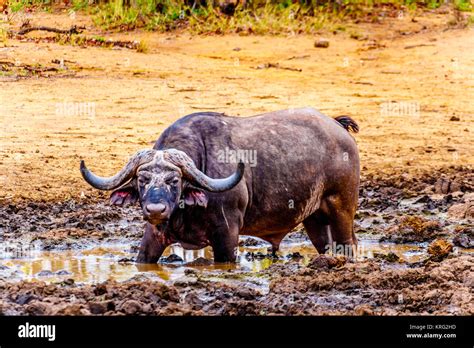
<point x="211" y="177"/>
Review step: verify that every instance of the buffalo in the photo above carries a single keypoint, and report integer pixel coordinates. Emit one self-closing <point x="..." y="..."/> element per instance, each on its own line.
<point x="210" y="178"/>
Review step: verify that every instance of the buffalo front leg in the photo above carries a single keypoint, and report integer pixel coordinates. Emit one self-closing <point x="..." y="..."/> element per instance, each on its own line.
<point x="225" y="242"/>
<point x="152" y="246"/>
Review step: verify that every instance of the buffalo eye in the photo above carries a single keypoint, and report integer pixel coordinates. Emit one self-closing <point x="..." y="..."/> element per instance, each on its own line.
<point x="173" y="182"/>
<point x="142" y="181"/>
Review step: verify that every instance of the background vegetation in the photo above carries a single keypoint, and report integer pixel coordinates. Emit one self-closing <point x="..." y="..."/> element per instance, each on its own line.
<point x="238" y="16"/>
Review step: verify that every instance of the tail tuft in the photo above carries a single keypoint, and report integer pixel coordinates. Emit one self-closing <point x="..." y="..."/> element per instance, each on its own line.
<point x="348" y="123"/>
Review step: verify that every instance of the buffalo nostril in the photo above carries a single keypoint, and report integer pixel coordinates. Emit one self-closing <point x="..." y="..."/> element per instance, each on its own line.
<point x="155" y="208"/>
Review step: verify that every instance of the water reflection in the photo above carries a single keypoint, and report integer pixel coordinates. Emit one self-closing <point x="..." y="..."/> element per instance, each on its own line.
<point x="102" y="263"/>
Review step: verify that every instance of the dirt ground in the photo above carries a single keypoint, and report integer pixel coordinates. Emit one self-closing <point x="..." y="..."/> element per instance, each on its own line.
<point x="417" y="177"/>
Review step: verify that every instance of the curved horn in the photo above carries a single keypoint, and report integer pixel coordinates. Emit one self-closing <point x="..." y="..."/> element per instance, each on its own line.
<point x="125" y="174"/>
<point x="190" y="171"/>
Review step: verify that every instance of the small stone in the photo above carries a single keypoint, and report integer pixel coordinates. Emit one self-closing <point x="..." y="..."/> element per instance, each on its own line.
<point x="321" y="43"/>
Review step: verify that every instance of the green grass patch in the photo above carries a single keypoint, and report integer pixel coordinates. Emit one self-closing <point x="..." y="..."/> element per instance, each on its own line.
<point x="463" y="5"/>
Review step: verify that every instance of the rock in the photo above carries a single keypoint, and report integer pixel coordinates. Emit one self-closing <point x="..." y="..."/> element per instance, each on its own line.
<point x="126" y="260"/>
<point x="455" y="186"/>
<point x="469" y="197"/>
<point x="200" y="261"/>
<point x="44" y="273"/>
<point x="250" y="242"/>
<point x="463" y="241"/>
<point x="246" y="293"/>
<point x="294" y="256"/>
<point x="74" y="309"/>
<point x="69" y="281"/>
<point x="439" y="249"/>
<point x="321" y="43"/>
<point x="173" y="258"/>
<point x="98" y="307"/>
<point x="131" y="307"/>
<point x="25" y="299"/>
<point x="461" y="211"/>
<point x="191" y="272"/>
<point x="444" y="185"/>
<point x="390" y="257"/>
<point x="441" y="186"/>
<point x="193" y="299"/>
<point x="454" y="118"/>
<point x="38" y="308"/>
<point x="100" y="289"/>
<point x="363" y="309"/>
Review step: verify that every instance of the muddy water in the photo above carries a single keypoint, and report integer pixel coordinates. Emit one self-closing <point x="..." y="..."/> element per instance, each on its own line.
<point x="113" y="261"/>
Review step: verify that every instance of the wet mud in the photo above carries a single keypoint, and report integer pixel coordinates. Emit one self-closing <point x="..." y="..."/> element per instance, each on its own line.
<point x="415" y="256"/>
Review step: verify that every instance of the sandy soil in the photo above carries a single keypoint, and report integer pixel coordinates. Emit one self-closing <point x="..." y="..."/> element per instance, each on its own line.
<point x="135" y="96"/>
<point x="417" y="177"/>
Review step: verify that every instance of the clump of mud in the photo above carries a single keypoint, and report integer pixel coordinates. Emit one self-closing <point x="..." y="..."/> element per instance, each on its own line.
<point x="413" y="229"/>
<point x="327" y="262"/>
<point x="439" y="249"/>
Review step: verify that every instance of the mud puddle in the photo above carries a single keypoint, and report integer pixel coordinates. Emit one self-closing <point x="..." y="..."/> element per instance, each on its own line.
<point x="115" y="261"/>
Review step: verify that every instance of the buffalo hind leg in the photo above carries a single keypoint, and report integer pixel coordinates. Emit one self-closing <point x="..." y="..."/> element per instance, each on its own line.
<point x="318" y="231"/>
<point x="152" y="246"/>
<point x="341" y="222"/>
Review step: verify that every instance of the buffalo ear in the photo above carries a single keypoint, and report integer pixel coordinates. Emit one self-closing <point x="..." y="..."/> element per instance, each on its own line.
<point x="125" y="195"/>
<point x="195" y="196"/>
